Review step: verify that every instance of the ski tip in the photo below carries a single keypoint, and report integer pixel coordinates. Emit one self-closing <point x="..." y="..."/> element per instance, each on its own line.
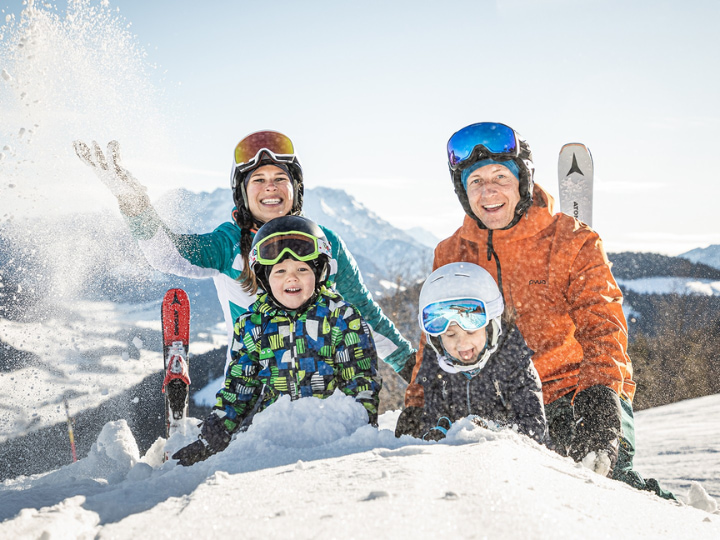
<point x="574" y="146"/>
<point x="176" y="295"/>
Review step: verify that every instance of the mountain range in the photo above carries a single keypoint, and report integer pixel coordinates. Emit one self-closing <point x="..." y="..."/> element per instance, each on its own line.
<point x="385" y="254"/>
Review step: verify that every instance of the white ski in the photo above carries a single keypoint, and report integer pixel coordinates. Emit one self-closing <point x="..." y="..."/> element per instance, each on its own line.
<point x="575" y="181"/>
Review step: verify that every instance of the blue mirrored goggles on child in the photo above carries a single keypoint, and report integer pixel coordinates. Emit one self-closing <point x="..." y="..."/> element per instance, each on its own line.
<point x="498" y="140"/>
<point x="469" y="313"/>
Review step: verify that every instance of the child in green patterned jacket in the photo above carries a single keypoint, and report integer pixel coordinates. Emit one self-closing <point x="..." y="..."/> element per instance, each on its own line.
<point x="300" y="338"/>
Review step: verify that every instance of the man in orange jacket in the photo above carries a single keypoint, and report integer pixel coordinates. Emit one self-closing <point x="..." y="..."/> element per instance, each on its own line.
<point x="553" y="272"/>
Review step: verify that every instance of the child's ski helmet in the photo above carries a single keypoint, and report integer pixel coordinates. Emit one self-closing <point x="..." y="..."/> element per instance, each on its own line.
<point x="465" y="294"/>
<point x="258" y="149"/>
<point x="290" y="236"/>
<point x="490" y="140"/>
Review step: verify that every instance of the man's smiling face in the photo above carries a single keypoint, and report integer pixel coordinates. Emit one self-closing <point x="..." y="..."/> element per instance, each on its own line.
<point x="493" y="193"/>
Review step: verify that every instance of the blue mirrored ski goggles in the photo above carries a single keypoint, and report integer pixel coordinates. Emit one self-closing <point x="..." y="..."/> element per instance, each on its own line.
<point x="498" y="140"/>
<point x="469" y="313"/>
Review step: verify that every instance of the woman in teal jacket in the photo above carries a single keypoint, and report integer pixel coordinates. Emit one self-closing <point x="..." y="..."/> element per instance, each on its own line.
<point x="267" y="182"/>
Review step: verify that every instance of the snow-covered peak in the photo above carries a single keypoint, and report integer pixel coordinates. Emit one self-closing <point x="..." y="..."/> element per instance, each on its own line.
<point x="423" y="236"/>
<point x="709" y="255"/>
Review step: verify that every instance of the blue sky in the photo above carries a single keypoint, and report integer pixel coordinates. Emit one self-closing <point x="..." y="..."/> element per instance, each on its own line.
<point x="370" y="92"/>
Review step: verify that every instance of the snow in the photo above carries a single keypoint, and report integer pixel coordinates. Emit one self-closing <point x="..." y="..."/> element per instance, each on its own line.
<point x="207" y="396"/>
<point x="671" y="285"/>
<point x="313" y="468"/>
<point x="679" y="443"/>
<point x="77" y="349"/>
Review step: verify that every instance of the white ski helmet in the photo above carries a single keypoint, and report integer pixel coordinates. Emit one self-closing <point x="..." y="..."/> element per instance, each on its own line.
<point x="466" y="294"/>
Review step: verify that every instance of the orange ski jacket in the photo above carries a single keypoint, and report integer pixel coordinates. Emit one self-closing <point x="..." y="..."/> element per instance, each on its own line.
<point x="556" y="275"/>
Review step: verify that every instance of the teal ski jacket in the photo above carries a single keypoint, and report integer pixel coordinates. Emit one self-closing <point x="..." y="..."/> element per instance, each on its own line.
<point x="217" y="255"/>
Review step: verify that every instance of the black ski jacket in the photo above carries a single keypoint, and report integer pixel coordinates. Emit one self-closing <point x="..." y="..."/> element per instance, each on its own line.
<point x="507" y="390"/>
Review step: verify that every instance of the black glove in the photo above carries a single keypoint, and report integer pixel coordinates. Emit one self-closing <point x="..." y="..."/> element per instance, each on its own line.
<point x="438" y="432"/>
<point x="561" y="425"/>
<point x="406" y="371"/>
<point x="215" y="432"/>
<point x="410" y="422"/>
<point x="192" y="453"/>
<point x="598" y="424"/>
<point x="214" y="438"/>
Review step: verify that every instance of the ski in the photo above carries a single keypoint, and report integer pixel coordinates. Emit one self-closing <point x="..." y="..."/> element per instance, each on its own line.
<point x="575" y="181"/>
<point x="176" y="339"/>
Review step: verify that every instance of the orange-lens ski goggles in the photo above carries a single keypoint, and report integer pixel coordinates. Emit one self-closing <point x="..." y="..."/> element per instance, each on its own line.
<point x="272" y="141"/>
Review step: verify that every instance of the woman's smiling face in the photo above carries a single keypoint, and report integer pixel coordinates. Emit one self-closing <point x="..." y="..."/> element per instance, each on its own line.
<point x="269" y="192"/>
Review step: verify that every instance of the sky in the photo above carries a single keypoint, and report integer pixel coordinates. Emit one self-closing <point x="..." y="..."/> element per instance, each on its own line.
<point x="370" y="92"/>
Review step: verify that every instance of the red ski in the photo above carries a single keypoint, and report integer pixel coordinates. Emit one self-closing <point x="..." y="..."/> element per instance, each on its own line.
<point x="176" y="339"/>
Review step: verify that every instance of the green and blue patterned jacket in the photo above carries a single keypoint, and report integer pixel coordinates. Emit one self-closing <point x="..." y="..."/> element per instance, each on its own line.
<point x="276" y="352"/>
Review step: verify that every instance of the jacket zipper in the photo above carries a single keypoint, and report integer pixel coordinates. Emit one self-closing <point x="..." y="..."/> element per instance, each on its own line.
<point x="293" y="395"/>
<point x="467" y="395"/>
<point x="499" y="393"/>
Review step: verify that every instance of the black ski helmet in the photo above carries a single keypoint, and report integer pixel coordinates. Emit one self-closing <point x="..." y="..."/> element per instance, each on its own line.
<point x="255" y="150"/>
<point x="522" y="158"/>
<point x="289" y="235"/>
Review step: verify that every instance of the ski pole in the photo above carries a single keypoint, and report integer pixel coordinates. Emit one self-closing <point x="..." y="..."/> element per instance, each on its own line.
<point x="70" y="430"/>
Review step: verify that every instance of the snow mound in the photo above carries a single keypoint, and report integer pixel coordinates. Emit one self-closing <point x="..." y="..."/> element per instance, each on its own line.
<point x="698" y="498"/>
<point x="313" y="466"/>
<point x="310" y="422"/>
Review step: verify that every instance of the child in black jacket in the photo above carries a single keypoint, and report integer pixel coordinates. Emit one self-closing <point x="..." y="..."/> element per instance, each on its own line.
<point x="477" y="362"/>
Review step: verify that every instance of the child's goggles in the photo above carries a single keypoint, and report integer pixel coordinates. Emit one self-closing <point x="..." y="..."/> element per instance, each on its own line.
<point x="469" y="313"/>
<point x="498" y="140"/>
<point x="299" y="245"/>
<point x="278" y="146"/>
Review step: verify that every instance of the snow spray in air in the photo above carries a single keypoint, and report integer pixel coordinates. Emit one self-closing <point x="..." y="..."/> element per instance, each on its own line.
<point x="77" y="74"/>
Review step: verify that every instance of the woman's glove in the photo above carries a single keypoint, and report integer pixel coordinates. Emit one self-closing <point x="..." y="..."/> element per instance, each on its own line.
<point x="131" y="195"/>
<point x="598" y="424"/>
